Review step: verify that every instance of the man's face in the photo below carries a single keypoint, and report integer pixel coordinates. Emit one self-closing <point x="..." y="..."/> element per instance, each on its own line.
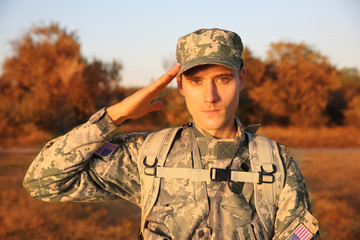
<point x="212" y="95"/>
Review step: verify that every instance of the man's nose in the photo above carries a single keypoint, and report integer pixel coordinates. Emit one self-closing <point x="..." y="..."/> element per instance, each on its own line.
<point x="211" y="92"/>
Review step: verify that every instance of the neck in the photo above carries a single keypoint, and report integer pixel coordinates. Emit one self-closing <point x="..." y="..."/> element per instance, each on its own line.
<point x="226" y="133"/>
<point x="229" y="132"/>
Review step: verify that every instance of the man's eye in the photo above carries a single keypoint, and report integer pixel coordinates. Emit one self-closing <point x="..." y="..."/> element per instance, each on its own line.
<point x="223" y="79"/>
<point x="195" y="82"/>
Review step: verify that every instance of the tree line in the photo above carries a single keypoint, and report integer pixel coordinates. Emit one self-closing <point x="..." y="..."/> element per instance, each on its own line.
<point x="48" y="85"/>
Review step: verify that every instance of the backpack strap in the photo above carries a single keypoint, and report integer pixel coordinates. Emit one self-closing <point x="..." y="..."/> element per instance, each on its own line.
<point x="214" y="174"/>
<point x="265" y="157"/>
<point x="152" y="154"/>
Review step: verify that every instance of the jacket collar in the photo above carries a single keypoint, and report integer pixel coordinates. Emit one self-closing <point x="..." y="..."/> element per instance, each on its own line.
<point x="239" y="138"/>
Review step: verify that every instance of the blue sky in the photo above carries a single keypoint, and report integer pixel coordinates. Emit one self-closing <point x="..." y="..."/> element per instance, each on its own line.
<point x="141" y="34"/>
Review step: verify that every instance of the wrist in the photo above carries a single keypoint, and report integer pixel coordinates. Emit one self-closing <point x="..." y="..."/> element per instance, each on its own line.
<point x="115" y="116"/>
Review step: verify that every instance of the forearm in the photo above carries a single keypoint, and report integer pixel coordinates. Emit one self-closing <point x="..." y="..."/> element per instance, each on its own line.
<point x="62" y="159"/>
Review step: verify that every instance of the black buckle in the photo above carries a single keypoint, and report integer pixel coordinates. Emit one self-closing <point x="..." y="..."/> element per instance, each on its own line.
<point x="150" y="169"/>
<point x="218" y="174"/>
<point x="264" y="173"/>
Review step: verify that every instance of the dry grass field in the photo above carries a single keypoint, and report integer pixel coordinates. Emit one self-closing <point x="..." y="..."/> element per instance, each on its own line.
<point x="320" y="137"/>
<point x="22" y="217"/>
<point x="332" y="176"/>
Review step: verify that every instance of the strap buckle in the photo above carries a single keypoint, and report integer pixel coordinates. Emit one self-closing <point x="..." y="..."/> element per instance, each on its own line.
<point x="150" y="169"/>
<point x="218" y="174"/>
<point x="263" y="175"/>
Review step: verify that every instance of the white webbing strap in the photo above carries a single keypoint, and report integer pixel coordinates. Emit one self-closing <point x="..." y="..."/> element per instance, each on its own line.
<point x="262" y="159"/>
<point x="187" y="173"/>
<point x="210" y="174"/>
<point x="237" y="176"/>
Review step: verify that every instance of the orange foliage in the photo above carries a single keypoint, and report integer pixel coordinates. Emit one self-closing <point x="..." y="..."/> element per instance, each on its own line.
<point x="175" y="109"/>
<point x="352" y="113"/>
<point x="46" y="82"/>
<point x="255" y="69"/>
<point x="296" y="85"/>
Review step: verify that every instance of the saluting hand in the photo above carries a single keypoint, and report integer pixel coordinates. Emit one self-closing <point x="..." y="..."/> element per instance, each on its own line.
<point x="140" y="103"/>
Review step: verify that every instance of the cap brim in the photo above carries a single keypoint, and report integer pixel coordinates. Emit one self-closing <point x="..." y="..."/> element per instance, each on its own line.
<point x="217" y="60"/>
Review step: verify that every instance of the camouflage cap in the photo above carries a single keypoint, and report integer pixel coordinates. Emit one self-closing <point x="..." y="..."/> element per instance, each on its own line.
<point x="209" y="46"/>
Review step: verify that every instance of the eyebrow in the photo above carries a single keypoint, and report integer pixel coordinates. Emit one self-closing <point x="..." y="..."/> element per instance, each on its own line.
<point x="225" y="74"/>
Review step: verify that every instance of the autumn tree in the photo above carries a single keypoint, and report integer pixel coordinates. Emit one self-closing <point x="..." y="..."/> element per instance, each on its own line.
<point x="296" y="84"/>
<point x="47" y="83"/>
<point x="352" y="112"/>
<point x="349" y="82"/>
<point x="248" y="111"/>
<point x="175" y="110"/>
<point x="335" y="107"/>
<point x="350" y="91"/>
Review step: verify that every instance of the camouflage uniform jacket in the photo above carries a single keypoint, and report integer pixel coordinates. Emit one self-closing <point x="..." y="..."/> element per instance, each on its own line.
<point x="68" y="170"/>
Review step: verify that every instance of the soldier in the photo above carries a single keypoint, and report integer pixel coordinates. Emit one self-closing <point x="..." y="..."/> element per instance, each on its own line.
<point x="209" y="179"/>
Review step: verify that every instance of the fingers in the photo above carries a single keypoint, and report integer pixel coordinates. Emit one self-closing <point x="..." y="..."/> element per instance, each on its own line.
<point x="139" y="104"/>
<point x="156" y="106"/>
<point x="173" y="71"/>
<point x="165" y="79"/>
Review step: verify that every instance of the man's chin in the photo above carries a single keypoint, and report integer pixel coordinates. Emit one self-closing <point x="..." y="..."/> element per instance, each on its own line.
<point x="210" y="125"/>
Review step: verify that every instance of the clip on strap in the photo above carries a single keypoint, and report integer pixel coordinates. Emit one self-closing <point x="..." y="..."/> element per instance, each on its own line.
<point x="218" y="174"/>
<point x="266" y="177"/>
<point x="150" y="168"/>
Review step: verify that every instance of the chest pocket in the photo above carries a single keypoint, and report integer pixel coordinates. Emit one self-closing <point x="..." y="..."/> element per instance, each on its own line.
<point x="253" y="231"/>
<point x="175" y="191"/>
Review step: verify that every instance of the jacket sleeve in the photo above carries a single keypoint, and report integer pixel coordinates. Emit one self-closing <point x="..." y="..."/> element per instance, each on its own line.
<point x="67" y="169"/>
<point x="294" y="215"/>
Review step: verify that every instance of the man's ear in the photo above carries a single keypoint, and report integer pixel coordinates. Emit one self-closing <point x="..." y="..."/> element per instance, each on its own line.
<point x="179" y="84"/>
<point x="242" y="78"/>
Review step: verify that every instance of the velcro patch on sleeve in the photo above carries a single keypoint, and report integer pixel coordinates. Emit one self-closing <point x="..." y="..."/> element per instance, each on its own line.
<point x="106" y="149"/>
<point x="301" y="233"/>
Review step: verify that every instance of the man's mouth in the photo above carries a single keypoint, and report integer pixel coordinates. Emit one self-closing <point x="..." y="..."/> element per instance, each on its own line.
<point x="211" y="111"/>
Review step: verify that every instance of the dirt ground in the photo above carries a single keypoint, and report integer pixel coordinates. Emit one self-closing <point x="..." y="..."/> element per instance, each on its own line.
<point x="332" y="177"/>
